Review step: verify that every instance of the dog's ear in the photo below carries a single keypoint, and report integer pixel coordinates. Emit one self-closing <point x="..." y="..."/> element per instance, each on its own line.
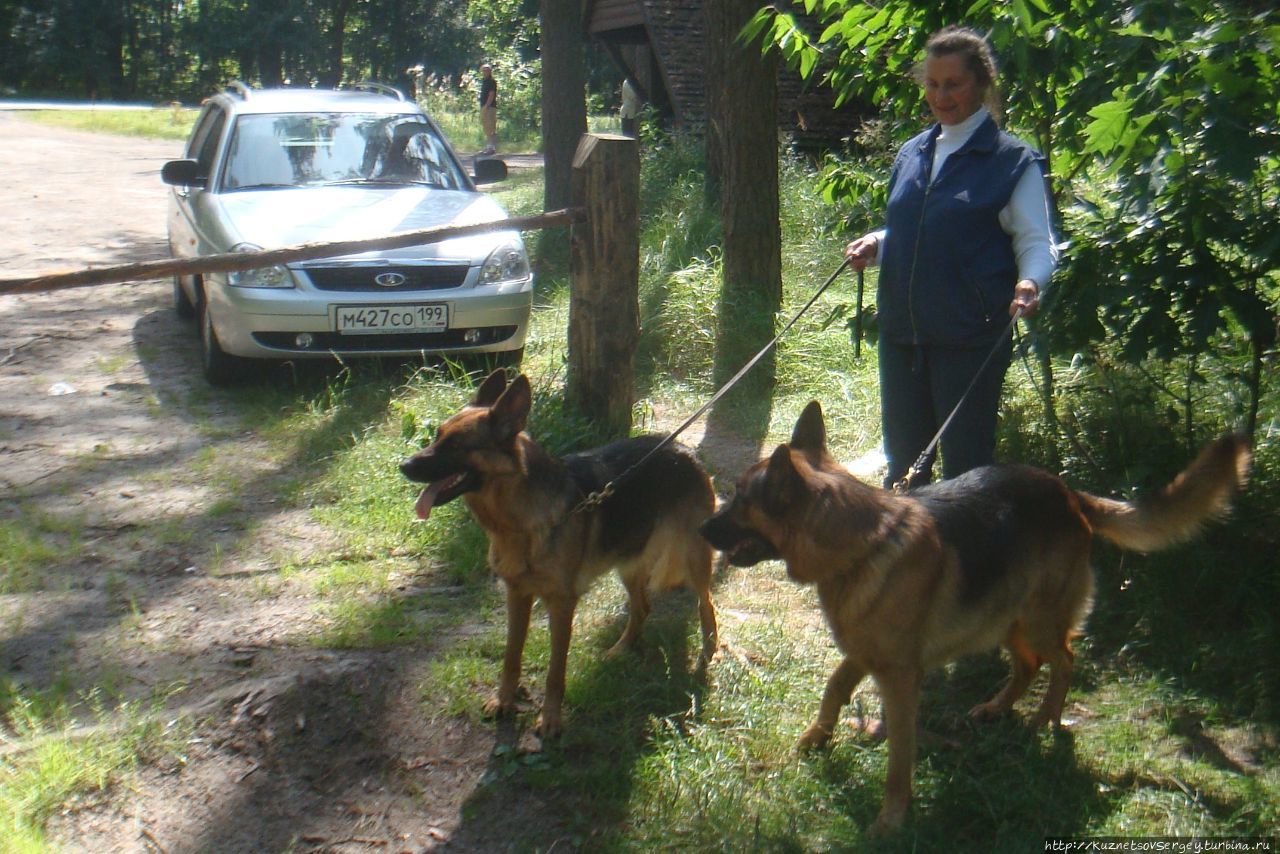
<point x="510" y="412"/>
<point x="491" y="388"/>
<point x="810" y="433"/>
<point x="783" y="485"/>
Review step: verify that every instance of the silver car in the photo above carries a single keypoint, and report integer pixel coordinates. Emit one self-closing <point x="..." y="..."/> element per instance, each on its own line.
<point x="272" y="168"/>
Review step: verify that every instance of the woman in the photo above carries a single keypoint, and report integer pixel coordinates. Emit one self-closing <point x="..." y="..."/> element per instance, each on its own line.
<point x="966" y="245"/>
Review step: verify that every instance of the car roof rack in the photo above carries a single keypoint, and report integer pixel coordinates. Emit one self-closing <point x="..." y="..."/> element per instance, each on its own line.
<point x="239" y="87"/>
<point x="382" y="88"/>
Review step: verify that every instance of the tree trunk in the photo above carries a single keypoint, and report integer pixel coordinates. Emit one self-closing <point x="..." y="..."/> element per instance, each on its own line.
<point x="716" y="44"/>
<point x="114" y="47"/>
<point x="1256" y="354"/>
<point x="337" y="44"/>
<point x="751" y="295"/>
<point x="564" y="102"/>
<point x="130" y="73"/>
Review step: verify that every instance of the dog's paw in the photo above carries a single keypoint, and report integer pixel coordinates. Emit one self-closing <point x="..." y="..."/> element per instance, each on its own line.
<point x="712" y="653"/>
<point x="990" y="711"/>
<point x="814" y="738"/>
<point x="497" y="706"/>
<point x="1045" y="719"/>
<point x="548" y="726"/>
<point x="745" y="657"/>
<point x="885" y="824"/>
<point x="873" y="728"/>
<point x="619" y="649"/>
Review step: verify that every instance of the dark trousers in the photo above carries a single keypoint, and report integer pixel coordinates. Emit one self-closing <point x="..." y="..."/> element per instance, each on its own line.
<point x="919" y="386"/>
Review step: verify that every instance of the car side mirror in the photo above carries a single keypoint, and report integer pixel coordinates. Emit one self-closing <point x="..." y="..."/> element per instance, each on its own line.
<point x="489" y="170"/>
<point x="182" y="173"/>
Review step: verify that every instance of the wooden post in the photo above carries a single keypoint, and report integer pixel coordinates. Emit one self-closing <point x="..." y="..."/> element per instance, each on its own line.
<point x="604" y="310"/>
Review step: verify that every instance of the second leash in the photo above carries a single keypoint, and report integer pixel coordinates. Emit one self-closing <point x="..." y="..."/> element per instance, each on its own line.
<point x="595" y="499"/>
<point x="920" y="464"/>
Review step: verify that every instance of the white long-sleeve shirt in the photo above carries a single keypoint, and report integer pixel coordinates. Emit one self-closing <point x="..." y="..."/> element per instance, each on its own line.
<point x="1025" y="218"/>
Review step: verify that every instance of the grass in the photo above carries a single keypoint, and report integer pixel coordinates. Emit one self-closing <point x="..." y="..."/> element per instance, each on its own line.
<point x="1173" y="713"/>
<point x="655" y="759"/>
<point x="31" y="542"/>
<point x="158" y="123"/>
<point x="462" y="129"/>
<point x="49" y="761"/>
<point x="663" y="761"/>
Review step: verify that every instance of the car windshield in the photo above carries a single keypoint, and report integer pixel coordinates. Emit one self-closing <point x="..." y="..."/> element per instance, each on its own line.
<point x="310" y="149"/>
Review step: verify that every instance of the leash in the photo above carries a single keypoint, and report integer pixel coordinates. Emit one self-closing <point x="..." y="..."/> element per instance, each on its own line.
<point x="595" y="499"/>
<point x="920" y="464"/>
<point x="857" y="318"/>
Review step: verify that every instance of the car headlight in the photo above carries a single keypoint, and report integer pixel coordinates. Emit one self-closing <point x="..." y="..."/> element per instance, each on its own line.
<point x="507" y="263"/>
<point x="258" y="277"/>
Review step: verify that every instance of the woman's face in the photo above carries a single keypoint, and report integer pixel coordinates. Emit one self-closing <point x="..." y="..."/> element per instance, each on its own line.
<point x="951" y="88"/>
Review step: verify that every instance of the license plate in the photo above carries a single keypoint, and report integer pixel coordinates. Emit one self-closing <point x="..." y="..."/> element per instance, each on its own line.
<point x="374" y="319"/>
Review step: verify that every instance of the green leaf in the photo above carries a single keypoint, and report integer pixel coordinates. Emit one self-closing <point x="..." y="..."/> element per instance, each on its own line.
<point x="1022" y="13"/>
<point x="808" y="62"/>
<point x="1224" y="78"/>
<point x="761" y="22"/>
<point x="830" y="32"/>
<point x="1110" y="121"/>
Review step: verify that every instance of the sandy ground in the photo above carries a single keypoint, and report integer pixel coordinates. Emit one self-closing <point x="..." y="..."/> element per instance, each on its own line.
<point x="105" y="424"/>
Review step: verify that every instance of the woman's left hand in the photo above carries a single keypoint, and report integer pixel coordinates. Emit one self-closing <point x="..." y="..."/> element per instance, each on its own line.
<point x="1026" y="295"/>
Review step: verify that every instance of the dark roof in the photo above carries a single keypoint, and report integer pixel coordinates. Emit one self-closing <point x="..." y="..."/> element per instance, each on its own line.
<point x="675" y="32"/>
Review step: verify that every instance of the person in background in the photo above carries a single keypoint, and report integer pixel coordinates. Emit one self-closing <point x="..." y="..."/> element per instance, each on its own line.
<point x="489" y="109"/>
<point x="630" y="107"/>
<point x="967" y="245"/>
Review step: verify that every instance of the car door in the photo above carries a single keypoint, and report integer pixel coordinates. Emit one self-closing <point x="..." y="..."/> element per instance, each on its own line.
<point x="188" y="235"/>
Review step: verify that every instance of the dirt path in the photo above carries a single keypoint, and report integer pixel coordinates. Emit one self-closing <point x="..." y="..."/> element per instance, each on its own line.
<point x="107" y="431"/>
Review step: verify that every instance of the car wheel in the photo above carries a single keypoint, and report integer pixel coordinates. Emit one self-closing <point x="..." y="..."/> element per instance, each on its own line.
<point x="182" y="305"/>
<point x="219" y="368"/>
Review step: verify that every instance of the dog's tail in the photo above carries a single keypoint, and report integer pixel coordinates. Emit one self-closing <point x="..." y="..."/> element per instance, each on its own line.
<point x="1202" y="492"/>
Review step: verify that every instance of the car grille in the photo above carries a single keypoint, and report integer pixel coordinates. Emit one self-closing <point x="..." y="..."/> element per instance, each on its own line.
<point x="404" y="342"/>
<point x="433" y="277"/>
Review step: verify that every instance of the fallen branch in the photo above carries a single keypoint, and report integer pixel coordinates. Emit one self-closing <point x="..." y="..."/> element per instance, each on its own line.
<point x="228" y="262"/>
<point x="13" y="351"/>
<point x="155" y="843"/>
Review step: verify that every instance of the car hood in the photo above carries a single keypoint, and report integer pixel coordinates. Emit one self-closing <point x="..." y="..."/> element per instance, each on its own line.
<point x="280" y="217"/>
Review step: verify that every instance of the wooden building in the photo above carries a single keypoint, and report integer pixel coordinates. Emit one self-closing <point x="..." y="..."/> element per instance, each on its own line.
<point x="660" y="44"/>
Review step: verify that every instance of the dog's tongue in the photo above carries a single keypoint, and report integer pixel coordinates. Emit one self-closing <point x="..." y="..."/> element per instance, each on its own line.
<point x="427" y="499"/>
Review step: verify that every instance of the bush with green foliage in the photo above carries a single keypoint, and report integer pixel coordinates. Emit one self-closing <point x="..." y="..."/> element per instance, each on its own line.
<point x="1160" y="126"/>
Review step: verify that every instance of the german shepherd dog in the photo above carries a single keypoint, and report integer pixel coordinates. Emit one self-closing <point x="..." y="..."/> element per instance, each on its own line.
<point x="997" y="556"/>
<point x="543" y="545"/>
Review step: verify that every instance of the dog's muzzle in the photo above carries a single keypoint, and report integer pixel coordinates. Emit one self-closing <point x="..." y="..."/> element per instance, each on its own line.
<point x="741" y="546"/>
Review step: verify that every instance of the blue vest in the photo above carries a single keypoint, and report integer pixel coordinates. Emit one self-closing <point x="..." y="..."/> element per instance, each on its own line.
<point x="947" y="268"/>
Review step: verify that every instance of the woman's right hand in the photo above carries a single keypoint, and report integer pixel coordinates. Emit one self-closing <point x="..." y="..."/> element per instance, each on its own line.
<point x="862" y="251"/>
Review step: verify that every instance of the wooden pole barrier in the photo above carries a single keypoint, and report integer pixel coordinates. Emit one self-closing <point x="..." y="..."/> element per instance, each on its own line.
<point x="604" y="311"/>
<point x="233" y="261"/>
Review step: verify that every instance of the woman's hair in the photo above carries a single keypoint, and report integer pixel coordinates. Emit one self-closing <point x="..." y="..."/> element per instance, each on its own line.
<point x="978" y="57"/>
